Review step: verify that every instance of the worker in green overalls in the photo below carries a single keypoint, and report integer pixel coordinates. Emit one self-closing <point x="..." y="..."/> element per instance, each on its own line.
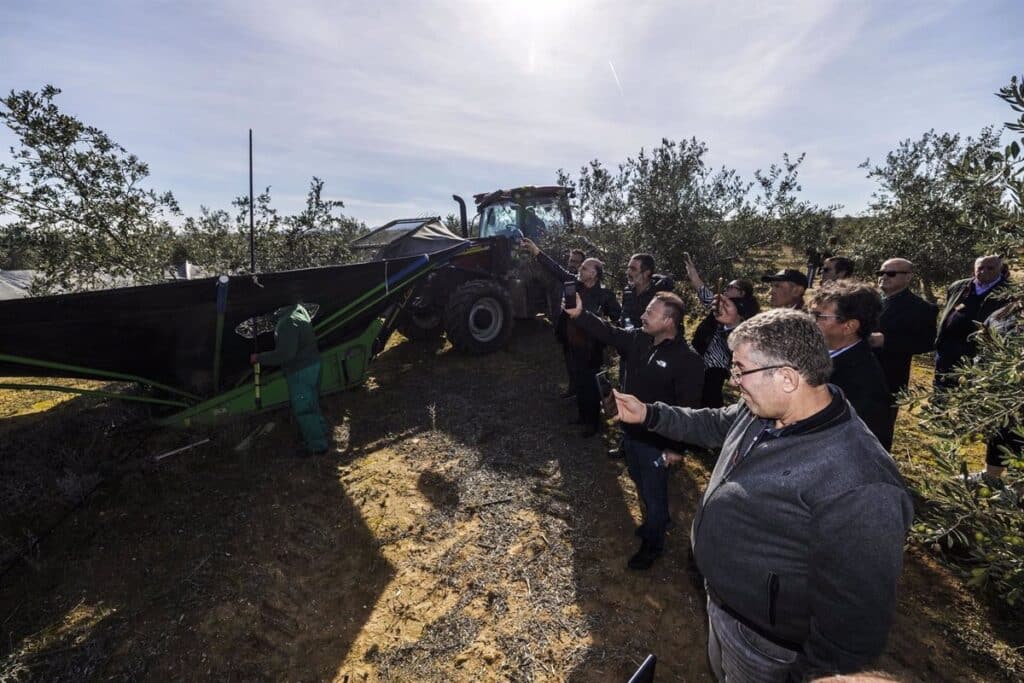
<point x="296" y="352"/>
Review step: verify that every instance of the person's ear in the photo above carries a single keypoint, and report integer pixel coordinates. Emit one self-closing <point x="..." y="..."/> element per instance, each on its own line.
<point x="790" y="379"/>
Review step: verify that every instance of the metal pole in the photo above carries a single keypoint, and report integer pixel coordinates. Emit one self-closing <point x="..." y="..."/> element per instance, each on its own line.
<point x="222" y="304"/>
<point x="252" y="223"/>
<point x="252" y="271"/>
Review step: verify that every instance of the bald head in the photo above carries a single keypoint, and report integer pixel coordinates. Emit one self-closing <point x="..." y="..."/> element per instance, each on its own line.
<point x="895" y="275"/>
<point x="987" y="269"/>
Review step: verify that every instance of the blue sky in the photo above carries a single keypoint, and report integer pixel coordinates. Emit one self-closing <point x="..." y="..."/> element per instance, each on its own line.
<point x="397" y="105"/>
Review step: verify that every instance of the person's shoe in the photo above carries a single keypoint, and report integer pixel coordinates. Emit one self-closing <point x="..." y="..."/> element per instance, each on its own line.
<point x="644" y="558"/>
<point x="983" y="478"/>
<point x="616" y="453"/>
<point x="567" y="394"/>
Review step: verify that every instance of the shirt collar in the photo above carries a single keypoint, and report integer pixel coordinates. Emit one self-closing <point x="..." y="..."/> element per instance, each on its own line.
<point x="981" y="289"/>
<point x="833" y="410"/>
<point x="833" y="354"/>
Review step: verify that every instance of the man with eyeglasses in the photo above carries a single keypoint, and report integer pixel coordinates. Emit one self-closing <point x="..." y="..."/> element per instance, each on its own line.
<point x="968" y="303"/>
<point x="846" y="313"/>
<point x="799" y="535"/>
<point x="906" y="327"/>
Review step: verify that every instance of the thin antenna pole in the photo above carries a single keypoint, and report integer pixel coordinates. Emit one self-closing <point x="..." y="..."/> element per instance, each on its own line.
<point x="252" y="224"/>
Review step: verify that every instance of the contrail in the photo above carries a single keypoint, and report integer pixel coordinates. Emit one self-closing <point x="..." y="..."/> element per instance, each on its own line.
<point x="616" y="77"/>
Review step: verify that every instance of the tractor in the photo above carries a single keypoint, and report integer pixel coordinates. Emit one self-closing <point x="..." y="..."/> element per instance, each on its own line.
<point x="475" y="298"/>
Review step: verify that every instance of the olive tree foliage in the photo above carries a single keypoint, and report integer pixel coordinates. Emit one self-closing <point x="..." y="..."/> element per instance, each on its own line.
<point x="980" y="529"/>
<point x="319" y="235"/>
<point x="73" y="204"/>
<point x="919" y="208"/>
<point x="668" y="201"/>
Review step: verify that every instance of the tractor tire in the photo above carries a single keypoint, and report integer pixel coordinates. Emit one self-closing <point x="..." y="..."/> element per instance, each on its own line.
<point x="478" y="318"/>
<point x="421" y="326"/>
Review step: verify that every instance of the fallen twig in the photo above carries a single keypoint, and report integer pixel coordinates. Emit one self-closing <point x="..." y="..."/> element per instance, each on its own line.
<point x="158" y="458"/>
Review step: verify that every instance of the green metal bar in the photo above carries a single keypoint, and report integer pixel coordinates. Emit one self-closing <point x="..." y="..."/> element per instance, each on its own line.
<point x="342" y="366"/>
<point x="93" y="392"/>
<point x="95" y="373"/>
<point x="322" y="332"/>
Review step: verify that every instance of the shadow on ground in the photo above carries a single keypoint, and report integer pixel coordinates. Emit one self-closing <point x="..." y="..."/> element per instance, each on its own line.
<point x="461" y="531"/>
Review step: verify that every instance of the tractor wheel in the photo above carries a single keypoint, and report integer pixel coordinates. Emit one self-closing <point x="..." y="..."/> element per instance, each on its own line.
<point x="478" y="318"/>
<point x="421" y="325"/>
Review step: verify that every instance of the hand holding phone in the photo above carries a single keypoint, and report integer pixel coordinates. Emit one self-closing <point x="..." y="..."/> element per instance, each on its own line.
<point x="569" y="295"/>
<point x="604" y="389"/>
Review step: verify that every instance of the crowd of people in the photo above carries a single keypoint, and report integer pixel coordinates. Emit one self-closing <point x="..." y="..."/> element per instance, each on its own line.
<point x="799" y="534"/>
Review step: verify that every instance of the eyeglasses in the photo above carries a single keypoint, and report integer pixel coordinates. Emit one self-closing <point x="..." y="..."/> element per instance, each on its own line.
<point x="735" y="374"/>
<point x="819" y="316"/>
<point x="892" y="273"/>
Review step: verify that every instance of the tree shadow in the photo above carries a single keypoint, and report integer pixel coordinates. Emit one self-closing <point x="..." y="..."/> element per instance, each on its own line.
<point x="554" y="515"/>
<point x="210" y="564"/>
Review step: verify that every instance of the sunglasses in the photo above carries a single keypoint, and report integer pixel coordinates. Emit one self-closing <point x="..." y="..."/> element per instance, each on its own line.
<point x="892" y="273"/>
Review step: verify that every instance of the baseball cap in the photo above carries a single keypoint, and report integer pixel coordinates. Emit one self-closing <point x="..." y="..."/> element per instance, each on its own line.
<point x="787" y="275"/>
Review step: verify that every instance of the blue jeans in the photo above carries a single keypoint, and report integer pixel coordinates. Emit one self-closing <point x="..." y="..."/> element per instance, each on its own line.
<point x="737" y="654"/>
<point x="651" y="478"/>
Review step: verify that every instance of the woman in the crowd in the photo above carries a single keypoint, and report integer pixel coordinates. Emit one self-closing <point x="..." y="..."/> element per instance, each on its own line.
<point x="735" y="304"/>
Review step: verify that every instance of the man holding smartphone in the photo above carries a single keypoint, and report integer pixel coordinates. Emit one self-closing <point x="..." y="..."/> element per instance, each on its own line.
<point x="658" y="365"/>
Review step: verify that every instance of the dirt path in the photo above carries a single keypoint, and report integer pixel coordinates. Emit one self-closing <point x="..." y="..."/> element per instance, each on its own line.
<point x="462" y="532"/>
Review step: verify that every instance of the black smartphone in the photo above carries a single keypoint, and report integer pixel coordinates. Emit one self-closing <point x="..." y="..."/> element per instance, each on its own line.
<point x="569" y="294"/>
<point x="604" y="390"/>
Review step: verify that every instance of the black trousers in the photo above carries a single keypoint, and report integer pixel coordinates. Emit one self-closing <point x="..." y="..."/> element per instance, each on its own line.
<point x="711" y="394"/>
<point x="584" y="375"/>
<point x="1004" y="437"/>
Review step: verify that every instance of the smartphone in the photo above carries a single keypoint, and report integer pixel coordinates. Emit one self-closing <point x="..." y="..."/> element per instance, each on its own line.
<point x="569" y="294"/>
<point x="604" y="390"/>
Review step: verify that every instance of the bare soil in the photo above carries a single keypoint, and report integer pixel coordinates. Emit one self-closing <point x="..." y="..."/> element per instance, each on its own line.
<point x="461" y="531"/>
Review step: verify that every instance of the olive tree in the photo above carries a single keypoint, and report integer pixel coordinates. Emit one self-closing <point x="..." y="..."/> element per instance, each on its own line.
<point x="75" y="199"/>
<point x="918" y="210"/>
<point x="669" y="201"/>
<point x="980" y="528"/>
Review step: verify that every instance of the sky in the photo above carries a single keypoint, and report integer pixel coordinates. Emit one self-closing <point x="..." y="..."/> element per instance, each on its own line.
<point x="398" y="105"/>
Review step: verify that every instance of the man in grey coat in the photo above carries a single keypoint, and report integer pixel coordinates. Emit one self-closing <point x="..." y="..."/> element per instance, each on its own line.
<point x="799" y="535"/>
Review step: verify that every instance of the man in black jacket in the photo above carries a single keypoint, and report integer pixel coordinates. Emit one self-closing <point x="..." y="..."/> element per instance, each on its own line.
<point x="642" y="284"/>
<point x="658" y="365"/>
<point x="847" y="313"/>
<point x="968" y="303"/>
<point x="585" y="352"/>
<point x="799" y="535"/>
<point x="906" y="327"/>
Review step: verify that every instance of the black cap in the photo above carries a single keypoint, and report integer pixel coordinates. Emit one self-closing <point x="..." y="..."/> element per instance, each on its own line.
<point x="788" y="275"/>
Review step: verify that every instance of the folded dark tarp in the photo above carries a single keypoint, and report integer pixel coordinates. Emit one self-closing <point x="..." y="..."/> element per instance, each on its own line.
<point x="166" y="333"/>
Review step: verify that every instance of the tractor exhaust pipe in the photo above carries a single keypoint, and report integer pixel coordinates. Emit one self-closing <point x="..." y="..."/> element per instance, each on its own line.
<point x="462" y="215"/>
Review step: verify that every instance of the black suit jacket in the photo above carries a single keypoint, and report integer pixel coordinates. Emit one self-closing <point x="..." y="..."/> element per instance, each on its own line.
<point x="856" y="371"/>
<point x="908" y="323"/>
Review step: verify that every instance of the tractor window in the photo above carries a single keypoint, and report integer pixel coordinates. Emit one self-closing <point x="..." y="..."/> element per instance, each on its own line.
<point x="542" y="217"/>
<point x="549" y="213"/>
<point x="499" y="219"/>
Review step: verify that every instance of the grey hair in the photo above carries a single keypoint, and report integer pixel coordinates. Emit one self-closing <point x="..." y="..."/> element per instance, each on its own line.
<point x="783" y="336"/>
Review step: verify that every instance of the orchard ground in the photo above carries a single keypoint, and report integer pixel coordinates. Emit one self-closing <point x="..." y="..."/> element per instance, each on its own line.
<point x="460" y="531"/>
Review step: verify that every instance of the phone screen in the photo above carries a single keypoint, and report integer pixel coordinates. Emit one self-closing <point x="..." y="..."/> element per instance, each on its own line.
<point x="569" y="294"/>
<point x="604" y="389"/>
